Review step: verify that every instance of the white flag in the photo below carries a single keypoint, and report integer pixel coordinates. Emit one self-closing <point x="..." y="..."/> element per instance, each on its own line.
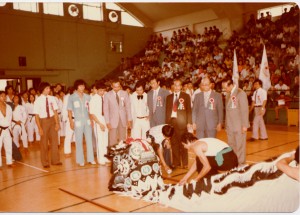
<point x="264" y="73"/>
<point x="235" y="71"/>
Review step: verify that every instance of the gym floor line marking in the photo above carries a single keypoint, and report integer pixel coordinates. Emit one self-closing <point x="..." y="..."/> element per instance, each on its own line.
<point x="32" y="166"/>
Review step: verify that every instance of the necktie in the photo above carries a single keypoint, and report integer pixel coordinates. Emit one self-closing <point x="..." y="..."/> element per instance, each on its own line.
<point x="205" y="98"/>
<point x="102" y="106"/>
<point x="255" y="97"/>
<point x="117" y="97"/>
<point x="154" y="100"/>
<point x="47" y="108"/>
<point x="175" y="104"/>
<point x="140" y="96"/>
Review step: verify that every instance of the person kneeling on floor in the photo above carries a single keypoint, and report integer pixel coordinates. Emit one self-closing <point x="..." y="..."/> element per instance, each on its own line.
<point x="212" y="156"/>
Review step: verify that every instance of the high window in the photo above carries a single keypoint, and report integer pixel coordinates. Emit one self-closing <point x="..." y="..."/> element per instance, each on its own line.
<point x="27" y="6"/>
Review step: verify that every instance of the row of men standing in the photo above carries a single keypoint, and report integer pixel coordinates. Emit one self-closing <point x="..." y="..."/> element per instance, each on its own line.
<point x="112" y="113"/>
<point x="206" y="115"/>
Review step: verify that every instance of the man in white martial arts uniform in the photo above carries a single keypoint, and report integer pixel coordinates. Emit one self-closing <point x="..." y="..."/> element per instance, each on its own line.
<point x="100" y="129"/>
<point x="139" y="112"/>
<point x="31" y="125"/>
<point x="69" y="133"/>
<point x="5" y="125"/>
<point x="18" y="123"/>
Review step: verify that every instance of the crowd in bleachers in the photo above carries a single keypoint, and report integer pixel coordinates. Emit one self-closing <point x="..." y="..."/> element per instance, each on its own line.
<point x="194" y="56"/>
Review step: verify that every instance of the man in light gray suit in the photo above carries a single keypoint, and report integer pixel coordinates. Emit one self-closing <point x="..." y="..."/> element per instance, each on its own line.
<point x="156" y="99"/>
<point x="207" y="111"/>
<point x="237" y="118"/>
<point x="117" y="113"/>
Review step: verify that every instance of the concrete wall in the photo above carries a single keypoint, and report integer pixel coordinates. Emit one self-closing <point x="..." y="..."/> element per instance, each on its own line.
<point x="62" y="49"/>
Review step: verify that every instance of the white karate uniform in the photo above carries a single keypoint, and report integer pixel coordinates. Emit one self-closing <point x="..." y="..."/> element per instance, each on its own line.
<point x="140" y="114"/>
<point x="69" y="133"/>
<point x="101" y="136"/>
<point x="19" y="114"/>
<point x="5" y="136"/>
<point x="62" y="124"/>
<point x="31" y="125"/>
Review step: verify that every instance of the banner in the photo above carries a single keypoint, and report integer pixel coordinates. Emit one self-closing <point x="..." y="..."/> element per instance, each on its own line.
<point x="264" y="73"/>
<point x="235" y="71"/>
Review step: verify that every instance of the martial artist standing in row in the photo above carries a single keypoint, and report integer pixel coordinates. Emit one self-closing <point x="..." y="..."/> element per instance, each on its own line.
<point x="101" y="131"/>
<point x="18" y="123"/>
<point x="69" y="133"/>
<point x="5" y="125"/>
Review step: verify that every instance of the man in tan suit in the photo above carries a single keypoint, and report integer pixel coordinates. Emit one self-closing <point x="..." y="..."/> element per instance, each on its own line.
<point x="117" y="113"/>
<point x="237" y="118"/>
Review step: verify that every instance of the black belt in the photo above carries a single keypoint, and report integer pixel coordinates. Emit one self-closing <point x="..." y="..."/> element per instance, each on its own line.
<point x="3" y="128"/>
<point x="142" y="117"/>
<point x="31" y="117"/>
<point x="258" y="106"/>
<point x="16" y="124"/>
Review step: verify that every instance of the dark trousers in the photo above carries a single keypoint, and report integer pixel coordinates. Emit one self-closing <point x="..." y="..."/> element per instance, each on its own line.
<point x="180" y="154"/>
<point x="51" y="135"/>
<point x="167" y="155"/>
<point x="230" y="162"/>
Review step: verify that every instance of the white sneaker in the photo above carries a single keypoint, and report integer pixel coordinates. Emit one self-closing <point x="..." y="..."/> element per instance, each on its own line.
<point x="82" y="164"/>
<point x="93" y="162"/>
<point x="169" y="171"/>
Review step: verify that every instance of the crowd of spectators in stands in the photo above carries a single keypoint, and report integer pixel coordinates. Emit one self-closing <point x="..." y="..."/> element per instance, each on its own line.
<point x="192" y="56"/>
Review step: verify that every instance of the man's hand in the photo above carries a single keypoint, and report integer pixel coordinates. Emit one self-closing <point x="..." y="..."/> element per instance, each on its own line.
<point x="244" y="130"/>
<point x="57" y="127"/>
<point x="219" y="127"/>
<point x="41" y="131"/>
<point x="72" y="125"/>
<point x="129" y="124"/>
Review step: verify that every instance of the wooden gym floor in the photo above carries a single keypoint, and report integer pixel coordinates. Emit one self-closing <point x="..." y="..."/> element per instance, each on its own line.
<point x="27" y="187"/>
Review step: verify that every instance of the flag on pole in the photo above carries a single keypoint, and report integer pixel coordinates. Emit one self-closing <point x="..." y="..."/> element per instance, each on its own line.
<point x="235" y="71"/>
<point x="264" y="73"/>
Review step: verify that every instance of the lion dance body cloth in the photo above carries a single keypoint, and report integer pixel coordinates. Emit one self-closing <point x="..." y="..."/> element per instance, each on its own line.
<point x="257" y="188"/>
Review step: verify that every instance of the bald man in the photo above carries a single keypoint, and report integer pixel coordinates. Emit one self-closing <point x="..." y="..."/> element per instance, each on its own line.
<point x="207" y="111"/>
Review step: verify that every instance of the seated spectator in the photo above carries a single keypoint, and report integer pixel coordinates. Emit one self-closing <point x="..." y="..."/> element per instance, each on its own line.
<point x="295" y="89"/>
<point x="281" y="87"/>
<point x="286" y="78"/>
<point x="283" y="101"/>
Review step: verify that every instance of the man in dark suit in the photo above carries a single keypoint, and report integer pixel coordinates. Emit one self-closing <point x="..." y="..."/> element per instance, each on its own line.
<point x="156" y="100"/>
<point x="207" y="111"/>
<point x="179" y="115"/>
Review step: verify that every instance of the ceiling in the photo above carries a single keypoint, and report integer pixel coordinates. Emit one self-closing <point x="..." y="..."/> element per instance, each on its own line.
<point x="150" y="13"/>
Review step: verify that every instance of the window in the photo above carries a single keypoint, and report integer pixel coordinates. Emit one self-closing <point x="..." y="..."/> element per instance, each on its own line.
<point x="26" y="6"/>
<point x="126" y="18"/>
<point x="274" y="11"/>
<point x="93" y="11"/>
<point x="116" y="47"/>
<point x="54" y="8"/>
